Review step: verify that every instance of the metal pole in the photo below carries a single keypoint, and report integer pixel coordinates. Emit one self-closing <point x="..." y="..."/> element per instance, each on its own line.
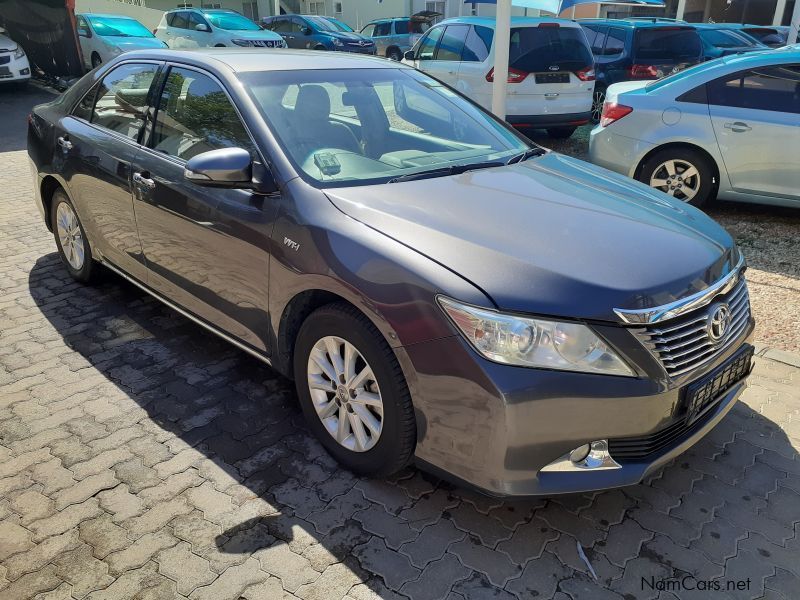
<point x="780" y="6"/>
<point x="277" y="8"/>
<point x="682" y="9"/>
<point x="502" y="39"/>
<point x="794" y="23"/>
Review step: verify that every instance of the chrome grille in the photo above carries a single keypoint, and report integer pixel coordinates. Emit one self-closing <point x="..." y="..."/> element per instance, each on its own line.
<point x="682" y="344"/>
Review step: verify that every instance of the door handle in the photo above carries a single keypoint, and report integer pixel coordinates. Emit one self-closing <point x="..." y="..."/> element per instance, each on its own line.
<point x="551" y="95"/>
<point x="65" y="144"/>
<point x="146" y="182"/>
<point x="738" y="127"/>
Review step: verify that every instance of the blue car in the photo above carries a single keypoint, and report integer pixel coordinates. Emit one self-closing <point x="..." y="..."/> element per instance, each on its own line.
<point x="313" y="32"/>
<point x="719" y="40"/>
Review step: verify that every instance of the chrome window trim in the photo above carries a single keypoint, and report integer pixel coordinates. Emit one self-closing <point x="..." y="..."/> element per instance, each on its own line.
<point x="684" y="305"/>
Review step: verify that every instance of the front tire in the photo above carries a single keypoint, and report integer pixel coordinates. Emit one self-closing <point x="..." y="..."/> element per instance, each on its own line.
<point x="598" y="99"/>
<point x="73" y="247"/>
<point x="683" y="173"/>
<point x="561" y="133"/>
<point x="352" y="391"/>
<point x="394" y="54"/>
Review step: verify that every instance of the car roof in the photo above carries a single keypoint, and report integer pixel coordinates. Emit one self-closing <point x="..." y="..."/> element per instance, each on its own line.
<point x="241" y="60"/>
<point x="637" y="24"/>
<point x="515" y="21"/>
<point x="105" y="16"/>
<point x="763" y="56"/>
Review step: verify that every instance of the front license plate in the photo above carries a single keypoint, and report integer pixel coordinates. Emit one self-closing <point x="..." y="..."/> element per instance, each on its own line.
<point x="701" y="394"/>
<point x="552" y="77"/>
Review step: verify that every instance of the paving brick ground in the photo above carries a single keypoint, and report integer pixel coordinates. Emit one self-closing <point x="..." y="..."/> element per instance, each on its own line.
<point x="142" y="458"/>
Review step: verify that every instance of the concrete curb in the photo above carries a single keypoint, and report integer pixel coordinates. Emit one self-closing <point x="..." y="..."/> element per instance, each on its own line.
<point x="788" y="358"/>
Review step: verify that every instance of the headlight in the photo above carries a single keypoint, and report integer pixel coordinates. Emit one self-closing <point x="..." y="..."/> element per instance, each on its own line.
<point x="529" y="342"/>
<point x="19" y="52"/>
<point x="241" y="42"/>
<point x="337" y="42"/>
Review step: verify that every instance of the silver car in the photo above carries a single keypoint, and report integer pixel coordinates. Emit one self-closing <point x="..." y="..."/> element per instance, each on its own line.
<point x="728" y="128"/>
<point x="394" y="37"/>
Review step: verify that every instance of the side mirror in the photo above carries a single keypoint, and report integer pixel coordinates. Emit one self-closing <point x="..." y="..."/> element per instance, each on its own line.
<point x="409" y="55"/>
<point x="83" y="32"/>
<point x="307" y="31"/>
<point x="201" y="27"/>
<point x="229" y="168"/>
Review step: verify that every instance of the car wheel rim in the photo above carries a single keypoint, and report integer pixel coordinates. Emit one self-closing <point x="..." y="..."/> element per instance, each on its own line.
<point x="345" y="394"/>
<point x="678" y="178"/>
<point x="598" y="98"/>
<point x="70" y="236"/>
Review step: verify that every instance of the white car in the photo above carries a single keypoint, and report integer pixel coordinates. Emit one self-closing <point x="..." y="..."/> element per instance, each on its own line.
<point x="102" y="37"/>
<point x="551" y="68"/>
<point x="14" y="65"/>
<point x="197" y="28"/>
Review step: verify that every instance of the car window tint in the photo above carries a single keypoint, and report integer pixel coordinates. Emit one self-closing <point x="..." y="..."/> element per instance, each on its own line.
<point x="298" y="25"/>
<point x="667" y="44"/>
<point x="615" y="42"/>
<point x="383" y="29"/>
<point x="83" y="110"/>
<point x="368" y="30"/>
<point x="122" y="99"/>
<point x="591" y="34"/>
<point x="180" y="20"/>
<point x="599" y="40"/>
<point x="401" y="27"/>
<point x="775" y="89"/>
<point x="195" y="19"/>
<point x="194" y="116"/>
<point x="723" y="39"/>
<point x="452" y="42"/>
<point x="428" y="45"/>
<point x="538" y="49"/>
<point x="476" y="48"/>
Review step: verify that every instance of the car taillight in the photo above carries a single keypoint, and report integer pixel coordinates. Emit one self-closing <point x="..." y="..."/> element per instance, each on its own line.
<point x="586" y="74"/>
<point x="514" y="75"/>
<point x="613" y="112"/>
<point x="644" y="71"/>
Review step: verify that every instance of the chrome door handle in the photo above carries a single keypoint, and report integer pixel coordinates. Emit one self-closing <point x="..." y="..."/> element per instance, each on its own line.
<point x="65" y="144"/>
<point x="551" y="95"/>
<point x="738" y="127"/>
<point x="143" y="181"/>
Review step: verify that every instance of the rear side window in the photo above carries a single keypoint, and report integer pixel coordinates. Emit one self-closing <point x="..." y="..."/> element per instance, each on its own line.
<point x="615" y="42"/>
<point x="452" y="44"/>
<point x="476" y="47"/>
<point x="667" y="44"/>
<point x="596" y="37"/>
<point x="536" y="49"/>
<point x="401" y="27"/>
<point x="194" y="116"/>
<point x="122" y="99"/>
<point x="775" y="89"/>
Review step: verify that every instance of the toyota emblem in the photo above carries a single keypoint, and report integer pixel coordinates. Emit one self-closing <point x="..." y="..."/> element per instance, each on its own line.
<point x="719" y="319"/>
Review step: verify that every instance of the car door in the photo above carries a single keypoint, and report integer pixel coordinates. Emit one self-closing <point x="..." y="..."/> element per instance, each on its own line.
<point x="382" y="36"/>
<point x="302" y="34"/>
<point x="200" y="38"/>
<point x="283" y="27"/>
<point x="178" y="30"/>
<point x="426" y="50"/>
<point x="756" y="120"/>
<point x="475" y="66"/>
<point x="207" y="249"/>
<point x="97" y="144"/>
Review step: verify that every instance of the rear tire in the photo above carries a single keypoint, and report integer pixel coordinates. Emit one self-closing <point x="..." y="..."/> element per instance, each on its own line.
<point x="71" y="241"/>
<point x="683" y="173"/>
<point x="561" y="133"/>
<point x="327" y="338"/>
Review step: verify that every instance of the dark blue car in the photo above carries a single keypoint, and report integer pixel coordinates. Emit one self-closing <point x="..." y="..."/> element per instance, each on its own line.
<point x="313" y="32"/>
<point x="719" y="40"/>
<point x="626" y="50"/>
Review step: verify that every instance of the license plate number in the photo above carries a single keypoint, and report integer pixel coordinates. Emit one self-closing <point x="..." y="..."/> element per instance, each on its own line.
<point x="552" y="78"/>
<point x="701" y="394"/>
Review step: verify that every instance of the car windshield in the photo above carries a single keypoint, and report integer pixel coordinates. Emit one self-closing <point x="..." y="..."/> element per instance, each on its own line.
<point x="231" y="21"/>
<point x="339" y="24"/>
<point x="667" y="44"/>
<point x="725" y="39"/>
<point x="325" y="24"/>
<point x="349" y="127"/>
<point x="119" y="27"/>
<point x="536" y="49"/>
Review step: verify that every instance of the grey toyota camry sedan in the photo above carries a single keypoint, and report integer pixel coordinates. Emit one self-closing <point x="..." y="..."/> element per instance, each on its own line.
<point x="441" y="290"/>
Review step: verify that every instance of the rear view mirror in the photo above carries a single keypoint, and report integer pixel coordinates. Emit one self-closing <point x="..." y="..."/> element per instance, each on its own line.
<point x="201" y="27"/>
<point x="409" y="55"/>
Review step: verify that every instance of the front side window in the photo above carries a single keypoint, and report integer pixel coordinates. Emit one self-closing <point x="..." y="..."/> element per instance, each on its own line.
<point x="769" y="88"/>
<point x="427" y="46"/>
<point x="452" y="43"/>
<point x="281" y="25"/>
<point x="83" y="26"/>
<point x="180" y="20"/>
<point x="195" y="19"/>
<point x="365" y="126"/>
<point x="194" y="116"/>
<point x="382" y="29"/>
<point x="122" y="99"/>
<point x="369" y="30"/>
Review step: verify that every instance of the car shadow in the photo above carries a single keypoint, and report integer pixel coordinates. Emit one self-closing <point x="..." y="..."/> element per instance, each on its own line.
<point x="732" y="492"/>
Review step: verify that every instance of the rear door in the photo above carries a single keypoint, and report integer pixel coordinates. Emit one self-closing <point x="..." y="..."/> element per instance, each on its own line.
<point x="96" y="148"/>
<point x="546" y="67"/>
<point x="756" y="119"/>
<point x="475" y="66"/>
<point x="207" y="249"/>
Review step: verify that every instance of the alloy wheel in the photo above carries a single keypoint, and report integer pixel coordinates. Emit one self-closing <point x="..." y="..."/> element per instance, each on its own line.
<point x="598" y="99"/>
<point x="345" y="393"/>
<point x="70" y="235"/>
<point x="678" y="178"/>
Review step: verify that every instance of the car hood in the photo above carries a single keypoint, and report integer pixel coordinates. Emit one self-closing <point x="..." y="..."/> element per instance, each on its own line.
<point x="261" y="34"/>
<point x="6" y="43"/>
<point x="552" y="236"/>
<point x="347" y="36"/>
<point x="134" y="43"/>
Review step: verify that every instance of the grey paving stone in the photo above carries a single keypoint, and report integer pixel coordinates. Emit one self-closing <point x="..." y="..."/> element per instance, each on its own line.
<point x="394" y="568"/>
<point x="528" y="541"/>
<point x="437" y="579"/>
<point x="492" y="563"/>
<point x="394" y="531"/>
<point x="432" y="543"/>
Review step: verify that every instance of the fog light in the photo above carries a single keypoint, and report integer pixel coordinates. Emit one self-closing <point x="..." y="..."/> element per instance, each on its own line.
<point x="587" y="457"/>
<point x="25" y="72"/>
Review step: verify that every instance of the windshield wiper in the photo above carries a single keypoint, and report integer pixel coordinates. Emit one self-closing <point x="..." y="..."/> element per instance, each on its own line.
<point x="445" y="171"/>
<point x="529" y="153"/>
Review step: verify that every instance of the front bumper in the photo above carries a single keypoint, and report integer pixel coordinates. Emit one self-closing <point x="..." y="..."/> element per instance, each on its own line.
<point x="550" y="120"/>
<point x="495" y="426"/>
<point x="371" y="50"/>
<point x="14" y="69"/>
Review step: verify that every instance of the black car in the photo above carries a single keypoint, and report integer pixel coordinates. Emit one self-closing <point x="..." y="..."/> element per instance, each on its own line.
<point x="723" y="41"/>
<point x="314" y="32"/>
<point x="440" y="289"/>
<point x="636" y="49"/>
